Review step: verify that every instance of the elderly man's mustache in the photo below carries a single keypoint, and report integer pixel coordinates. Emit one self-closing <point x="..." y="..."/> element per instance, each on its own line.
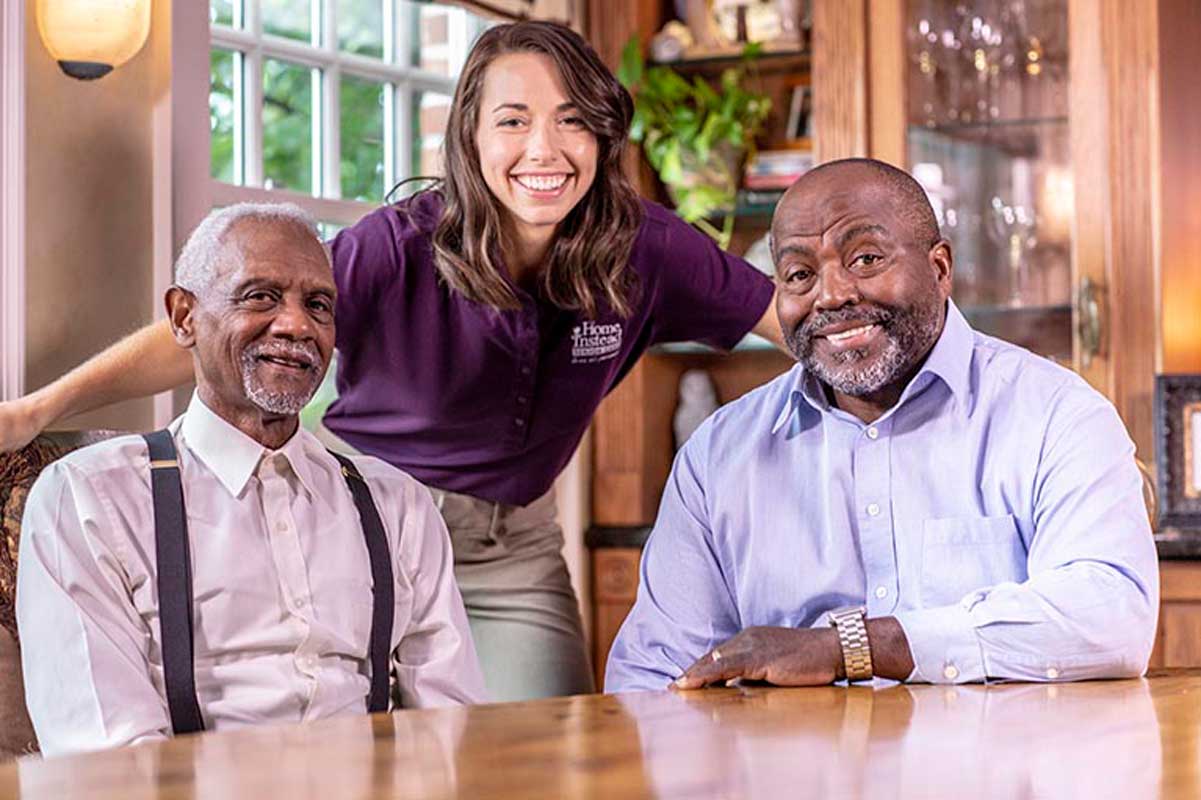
<point x="869" y="315"/>
<point x="299" y="355"/>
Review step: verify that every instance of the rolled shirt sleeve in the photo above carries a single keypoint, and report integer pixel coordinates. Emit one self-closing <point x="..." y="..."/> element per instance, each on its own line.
<point x="1089" y="606"/>
<point x="684" y="606"/>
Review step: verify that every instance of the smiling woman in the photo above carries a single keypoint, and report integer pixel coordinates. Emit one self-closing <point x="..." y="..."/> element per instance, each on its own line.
<point x="545" y="119"/>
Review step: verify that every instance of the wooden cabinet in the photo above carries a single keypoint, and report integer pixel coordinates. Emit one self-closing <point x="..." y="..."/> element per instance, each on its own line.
<point x="1178" y="642"/>
<point x="614" y="587"/>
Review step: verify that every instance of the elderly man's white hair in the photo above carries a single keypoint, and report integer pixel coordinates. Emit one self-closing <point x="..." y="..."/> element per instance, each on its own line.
<point x="196" y="266"/>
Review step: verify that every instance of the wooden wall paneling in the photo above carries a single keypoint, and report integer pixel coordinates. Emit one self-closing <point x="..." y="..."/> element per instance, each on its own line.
<point x="633" y="449"/>
<point x="1178" y="640"/>
<point x="840" y="113"/>
<point x="1180" y="189"/>
<point x="1131" y="56"/>
<point x="1088" y="122"/>
<point x="619" y="452"/>
<point x="887" y="93"/>
<point x="610" y="24"/>
<point x="615" y="587"/>
<point x="1180" y="581"/>
<point x="1114" y="117"/>
<point x="1180" y="624"/>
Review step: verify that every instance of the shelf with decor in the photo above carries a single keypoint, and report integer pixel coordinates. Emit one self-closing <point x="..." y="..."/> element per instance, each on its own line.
<point x="768" y="62"/>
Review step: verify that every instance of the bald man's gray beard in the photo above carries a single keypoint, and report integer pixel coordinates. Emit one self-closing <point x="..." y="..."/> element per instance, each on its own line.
<point x="909" y="333"/>
<point x="274" y="402"/>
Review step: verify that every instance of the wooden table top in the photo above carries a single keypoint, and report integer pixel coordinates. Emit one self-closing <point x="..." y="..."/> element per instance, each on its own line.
<point x="1130" y="739"/>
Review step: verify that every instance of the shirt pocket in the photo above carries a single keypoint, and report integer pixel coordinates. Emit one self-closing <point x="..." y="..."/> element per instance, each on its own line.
<point x="963" y="554"/>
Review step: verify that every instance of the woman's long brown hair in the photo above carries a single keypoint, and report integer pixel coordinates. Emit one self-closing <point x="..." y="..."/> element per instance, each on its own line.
<point x="588" y="262"/>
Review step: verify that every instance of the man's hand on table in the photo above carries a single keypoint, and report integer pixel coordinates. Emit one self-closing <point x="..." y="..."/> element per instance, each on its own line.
<point x="797" y="656"/>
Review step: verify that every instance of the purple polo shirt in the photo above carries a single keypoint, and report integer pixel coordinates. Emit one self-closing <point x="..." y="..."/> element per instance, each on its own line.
<point x="492" y="403"/>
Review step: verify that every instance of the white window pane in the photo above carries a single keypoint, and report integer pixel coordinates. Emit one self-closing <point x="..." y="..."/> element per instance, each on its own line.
<point x="292" y="19"/>
<point x="438" y="36"/>
<point x="225" y="12"/>
<point x="430" y="111"/>
<point x="361" y="27"/>
<point x="361" y="123"/>
<point x="223" y="116"/>
<point x="288" y="113"/>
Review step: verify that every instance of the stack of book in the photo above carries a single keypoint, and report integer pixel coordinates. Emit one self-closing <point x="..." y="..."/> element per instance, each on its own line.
<point x="776" y="169"/>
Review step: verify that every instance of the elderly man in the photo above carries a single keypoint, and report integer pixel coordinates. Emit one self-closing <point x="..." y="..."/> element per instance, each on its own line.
<point x="914" y="500"/>
<point x="231" y="571"/>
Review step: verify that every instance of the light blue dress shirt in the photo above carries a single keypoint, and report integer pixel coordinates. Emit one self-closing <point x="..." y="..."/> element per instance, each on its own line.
<point x="996" y="511"/>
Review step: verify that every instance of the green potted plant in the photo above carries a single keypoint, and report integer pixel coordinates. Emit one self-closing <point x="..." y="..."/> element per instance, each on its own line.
<point x="695" y="135"/>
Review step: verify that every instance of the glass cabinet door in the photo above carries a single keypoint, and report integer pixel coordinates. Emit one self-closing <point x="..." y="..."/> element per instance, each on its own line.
<point x="987" y="137"/>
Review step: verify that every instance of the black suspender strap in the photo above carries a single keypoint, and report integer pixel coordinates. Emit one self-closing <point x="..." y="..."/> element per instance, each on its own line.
<point x="381" y="584"/>
<point x="174" y="563"/>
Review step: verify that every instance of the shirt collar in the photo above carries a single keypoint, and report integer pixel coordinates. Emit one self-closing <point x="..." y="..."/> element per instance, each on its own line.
<point x="951" y="357"/>
<point x="234" y="457"/>
<point x="950" y="360"/>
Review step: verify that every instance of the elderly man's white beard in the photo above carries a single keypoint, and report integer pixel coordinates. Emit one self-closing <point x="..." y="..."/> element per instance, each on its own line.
<point x="273" y="402"/>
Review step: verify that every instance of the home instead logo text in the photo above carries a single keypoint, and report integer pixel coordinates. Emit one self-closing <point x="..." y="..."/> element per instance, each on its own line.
<point x="591" y="342"/>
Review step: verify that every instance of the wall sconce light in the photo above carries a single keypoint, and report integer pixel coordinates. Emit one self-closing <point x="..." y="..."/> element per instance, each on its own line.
<point x="89" y="38"/>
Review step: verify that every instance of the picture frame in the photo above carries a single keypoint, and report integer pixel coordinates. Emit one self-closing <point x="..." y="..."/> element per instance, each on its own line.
<point x="1178" y="450"/>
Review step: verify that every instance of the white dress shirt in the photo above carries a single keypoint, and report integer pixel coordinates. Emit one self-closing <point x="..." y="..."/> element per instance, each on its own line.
<point x="281" y="589"/>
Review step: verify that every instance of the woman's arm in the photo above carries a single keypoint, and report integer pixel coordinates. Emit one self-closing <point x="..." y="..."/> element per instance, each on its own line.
<point x="143" y="363"/>
<point x="768" y="327"/>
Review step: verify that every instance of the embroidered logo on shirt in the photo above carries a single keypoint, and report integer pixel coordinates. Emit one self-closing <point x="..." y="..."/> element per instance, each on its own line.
<point x="591" y="342"/>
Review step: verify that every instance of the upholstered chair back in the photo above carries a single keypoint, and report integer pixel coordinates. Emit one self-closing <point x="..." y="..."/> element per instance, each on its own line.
<point x="18" y="471"/>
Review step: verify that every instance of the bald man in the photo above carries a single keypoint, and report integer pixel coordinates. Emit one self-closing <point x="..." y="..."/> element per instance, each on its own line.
<point x="914" y="500"/>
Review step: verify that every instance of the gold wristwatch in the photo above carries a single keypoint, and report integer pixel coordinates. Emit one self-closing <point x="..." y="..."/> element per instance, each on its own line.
<point x="851" y="624"/>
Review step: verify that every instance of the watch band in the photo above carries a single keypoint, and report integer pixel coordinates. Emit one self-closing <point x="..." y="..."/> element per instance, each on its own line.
<point x="851" y="625"/>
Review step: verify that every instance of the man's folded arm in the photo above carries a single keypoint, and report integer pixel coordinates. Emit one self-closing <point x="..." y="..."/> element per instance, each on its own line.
<point x="685" y="603"/>
<point x="84" y="647"/>
<point x="1089" y="606"/>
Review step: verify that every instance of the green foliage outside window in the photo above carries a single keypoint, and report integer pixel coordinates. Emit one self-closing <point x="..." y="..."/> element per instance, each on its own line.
<point x="288" y="126"/>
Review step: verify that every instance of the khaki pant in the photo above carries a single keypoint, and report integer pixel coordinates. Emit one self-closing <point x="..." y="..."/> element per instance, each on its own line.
<point x="523" y="612"/>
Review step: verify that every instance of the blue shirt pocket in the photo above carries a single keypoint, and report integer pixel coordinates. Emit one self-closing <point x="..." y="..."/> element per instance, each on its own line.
<point x="963" y="554"/>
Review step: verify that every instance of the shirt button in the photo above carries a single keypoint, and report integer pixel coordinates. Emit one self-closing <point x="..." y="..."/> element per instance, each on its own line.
<point x="1052" y="673"/>
<point x="881" y="592"/>
<point x="281" y="526"/>
<point x="525" y="370"/>
<point x="950" y="672"/>
<point x="872" y="433"/>
<point x="520" y="423"/>
<point x="873" y="510"/>
<point x="521" y="401"/>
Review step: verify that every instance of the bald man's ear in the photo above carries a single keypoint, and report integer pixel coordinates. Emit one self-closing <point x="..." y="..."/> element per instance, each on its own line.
<point x="942" y="264"/>
<point x="180" y="306"/>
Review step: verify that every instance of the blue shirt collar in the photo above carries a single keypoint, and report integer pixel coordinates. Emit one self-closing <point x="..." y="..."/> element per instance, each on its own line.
<point x="949" y="360"/>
